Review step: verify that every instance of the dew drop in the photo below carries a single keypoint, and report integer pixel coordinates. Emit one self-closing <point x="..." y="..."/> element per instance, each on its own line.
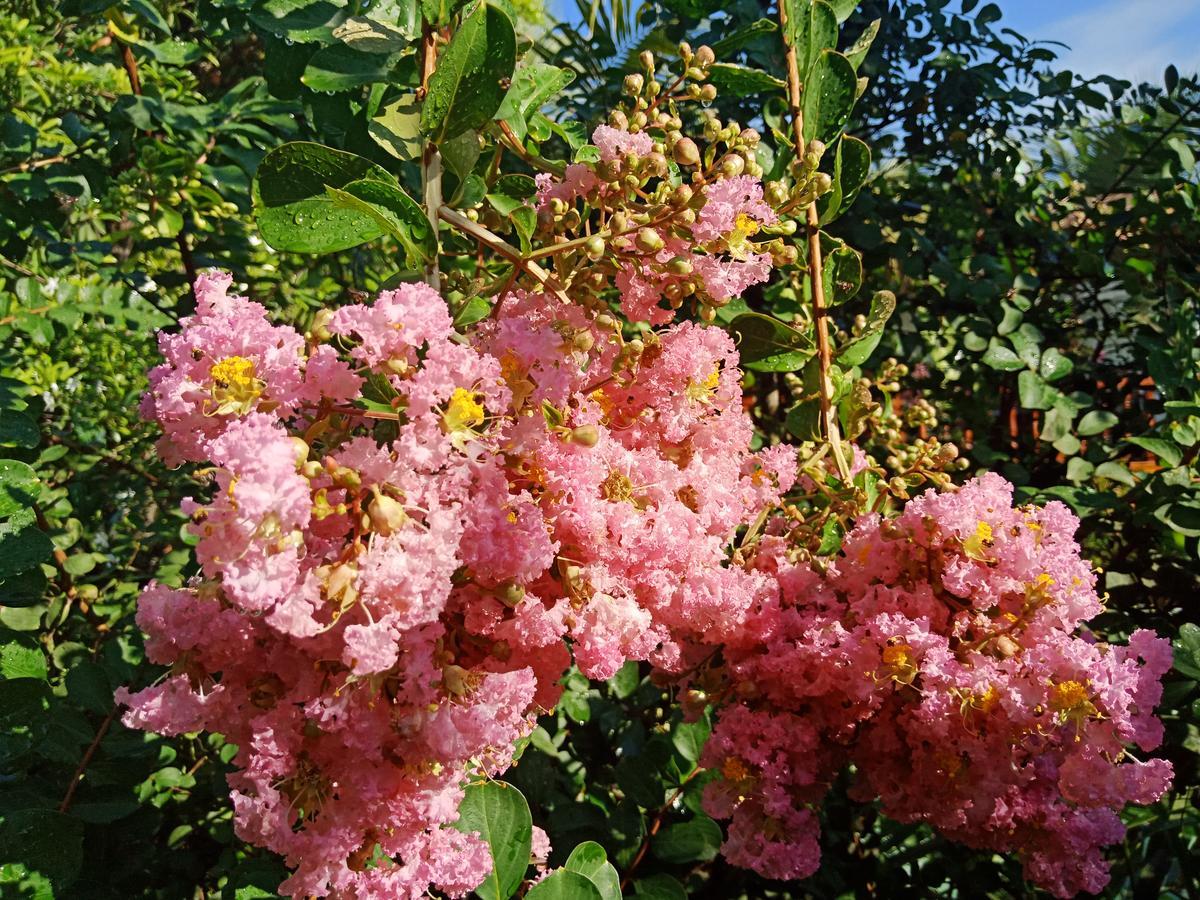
<point x="298" y="218"/>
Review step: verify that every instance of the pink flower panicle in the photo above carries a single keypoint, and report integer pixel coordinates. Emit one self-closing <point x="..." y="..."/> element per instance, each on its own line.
<point x="391" y="592"/>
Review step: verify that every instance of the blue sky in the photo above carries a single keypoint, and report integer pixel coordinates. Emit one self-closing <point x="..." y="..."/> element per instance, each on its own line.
<point x="1131" y="39"/>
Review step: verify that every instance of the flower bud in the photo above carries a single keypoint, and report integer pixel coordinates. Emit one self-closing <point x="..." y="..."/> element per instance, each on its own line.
<point x="680" y="265"/>
<point x="686" y="153"/>
<point x="775" y="193"/>
<point x="708" y="93"/>
<point x="750" y="136"/>
<point x="694" y="74"/>
<point x="649" y="240"/>
<point x="732" y="166"/>
<point x="346" y="478"/>
<point x="301" y="447"/>
<point x="685" y="51"/>
<point x="823" y="183"/>
<point x="386" y="514"/>
<point x="594" y="248"/>
<point x="320" y="326"/>
<point x="682" y="195"/>
<point x="633" y="84"/>
<point x="585" y="435"/>
<point x="647" y="60"/>
<point x="618" y="120"/>
<point x="708" y="314"/>
<point x="705" y="56"/>
<point x="583" y="341"/>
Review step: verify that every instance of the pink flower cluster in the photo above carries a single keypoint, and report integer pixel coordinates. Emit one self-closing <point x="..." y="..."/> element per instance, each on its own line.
<point x="939" y="655"/>
<point x="410" y="536"/>
<point x="387" y="585"/>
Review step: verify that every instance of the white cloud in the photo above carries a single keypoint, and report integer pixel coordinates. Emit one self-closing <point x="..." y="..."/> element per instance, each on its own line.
<point x="1131" y="39"/>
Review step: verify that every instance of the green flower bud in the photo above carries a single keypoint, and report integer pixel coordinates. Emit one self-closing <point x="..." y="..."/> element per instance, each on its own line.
<point x="680" y="265"/>
<point x="732" y="166"/>
<point x="633" y="84"/>
<point x="649" y="240"/>
<point x="595" y="247"/>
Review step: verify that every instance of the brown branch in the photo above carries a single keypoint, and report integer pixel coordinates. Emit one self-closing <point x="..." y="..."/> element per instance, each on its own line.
<point x="87" y="758"/>
<point x="513" y="143"/>
<point x="431" y="161"/>
<point x="497" y="244"/>
<point x="654" y="826"/>
<point x="829" y="423"/>
<point x="60" y="556"/>
<point x="128" y="60"/>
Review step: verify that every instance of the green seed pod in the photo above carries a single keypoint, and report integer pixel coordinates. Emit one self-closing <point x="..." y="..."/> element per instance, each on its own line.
<point x="649" y="240"/>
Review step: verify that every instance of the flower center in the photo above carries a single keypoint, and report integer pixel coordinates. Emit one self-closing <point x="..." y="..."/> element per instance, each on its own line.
<point x="235" y="387"/>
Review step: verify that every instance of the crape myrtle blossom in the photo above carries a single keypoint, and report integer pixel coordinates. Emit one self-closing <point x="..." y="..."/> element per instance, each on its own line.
<point x="939" y="653"/>
<point x="392" y="587"/>
<point x="388" y="598"/>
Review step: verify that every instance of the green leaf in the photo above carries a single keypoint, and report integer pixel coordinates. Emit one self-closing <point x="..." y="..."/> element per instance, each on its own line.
<point x="1027" y="341"/>
<point x="1115" y="471"/>
<point x="18" y="487"/>
<point x="23" y="590"/>
<point x="293" y="207"/>
<point x="1096" y="421"/>
<point x="689" y="739"/>
<point x="858" y="51"/>
<point x="44" y="841"/>
<point x="1000" y="357"/>
<point x="811" y="28"/>
<point x="399" y="214"/>
<point x="22" y="658"/>
<point x="563" y="884"/>
<point x="851" y="165"/>
<point x="843" y="8"/>
<point x="828" y="98"/>
<point x="843" y="275"/>
<point x="303" y="21"/>
<point x="461" y="153"/>
<point x="858" y="350"/>
<point x="366" y="34"/>
<point x="741" y="81"/>
<point x="1054" y="365"/>
<point x="467" y="87"/>
<point x="472" y="311"/>
<point x="1079" y="469"/>
<point x="18" y="429"/>
<point x="696" y="840"/>
<point x="532" y="86"/>
<point x="1167" y="451"/>
<point x="743" y="36"/>
<point x="769" y="345"/>
<point x="659" y="887"/>
<point x="1187" y="650"/>
<point x="22" y="546"/>
<point x="499" y="814"/>
<point x="340" y="68"/>
<point x="512" y="192"/>
<point x="1033" y="392"/>
<point x="590" y="861"/>
<point x="398" y="128"/>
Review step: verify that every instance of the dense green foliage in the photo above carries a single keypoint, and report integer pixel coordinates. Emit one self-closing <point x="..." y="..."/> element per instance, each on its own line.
<point x="1039" y="232"/>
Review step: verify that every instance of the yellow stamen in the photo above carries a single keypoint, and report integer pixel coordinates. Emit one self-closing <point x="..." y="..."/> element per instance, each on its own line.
<point x="463" y="412"/>
<point x="975" y="545"/>
<point x="235" y="388"/>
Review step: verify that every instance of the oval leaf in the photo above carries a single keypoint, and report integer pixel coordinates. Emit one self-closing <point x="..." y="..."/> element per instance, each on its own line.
<point x="564" y="884"/>
<point x="468" y="85"/>
<point x="295" y="211"/>
<point x="829" y="93"/>
<point x="498" y="813"/>
<point x="769" y="345"/>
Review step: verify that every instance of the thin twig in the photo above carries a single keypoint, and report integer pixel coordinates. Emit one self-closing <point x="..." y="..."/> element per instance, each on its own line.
<point x="497" y="244"/>
<point x="87" y="758"/>
<point x="829" y="423"/>
<point x="431" y="161"/>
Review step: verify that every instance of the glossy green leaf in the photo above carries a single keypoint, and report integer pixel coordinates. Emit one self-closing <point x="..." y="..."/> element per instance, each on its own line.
<point x="1001" y="357"/>
<point x="300" y="20"/>
<point x="1096" y="421"/>
<point x="769" y="345"/>
<point x="851" y="165"/>
<point x="733" y="80"/>
<point x="859" y="49"/>
<point x="18" y="487"/>
<point x="294" y="208"/>
<point x="22" y="657"/>
<point x="44" y="841"/>
<point x="1187" y="650"/>
<point x="18" y="429"/>
<point x="370" y="36"/>
<point x="340" y="68"/>
<point x="828" y="96"/>
<point x="857" y="350"/>
<point x="532" y="87"/>
<point x="1054" y="365"/>
<point x="590" y="861"/>
<point x="843" y="275"/>
<point x="498" y="813"/>
<point x="22" y="546"/>
<point x="696" y="840"/>
<point x="468" y="85"/>
<point x="689" y="739"/>
<point x="739" y="38"/>
<point x="843" y="8"/>
<point x="399" y="214"/>
<point x="1167" y="451"/>
<point x="1033" y="392"/>
<point x="397" y="129"/>
<point x="563" y="884"/>
<point x="811" y="28"/>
